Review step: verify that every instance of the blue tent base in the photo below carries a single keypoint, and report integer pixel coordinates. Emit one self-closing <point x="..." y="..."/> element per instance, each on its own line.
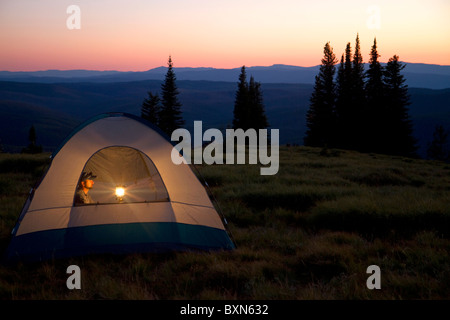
<point x="116" y="239"/>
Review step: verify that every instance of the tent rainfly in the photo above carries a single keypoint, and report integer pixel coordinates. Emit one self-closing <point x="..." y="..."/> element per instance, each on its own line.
<point x="140" y="200"/>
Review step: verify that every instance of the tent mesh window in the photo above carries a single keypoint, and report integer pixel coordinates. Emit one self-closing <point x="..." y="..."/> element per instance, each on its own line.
<point x="123" y="175"/>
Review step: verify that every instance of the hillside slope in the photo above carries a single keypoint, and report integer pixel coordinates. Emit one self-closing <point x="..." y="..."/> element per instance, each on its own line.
<point x="209" y="101"/>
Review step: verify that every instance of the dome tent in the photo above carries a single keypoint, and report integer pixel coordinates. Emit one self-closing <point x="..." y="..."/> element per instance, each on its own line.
<point x="162" y="206"/>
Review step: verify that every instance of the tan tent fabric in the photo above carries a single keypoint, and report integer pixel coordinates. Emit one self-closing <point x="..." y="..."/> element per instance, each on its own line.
<point x="111" y="140"/>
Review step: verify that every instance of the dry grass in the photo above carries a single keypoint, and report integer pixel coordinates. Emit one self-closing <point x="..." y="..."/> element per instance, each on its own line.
<point x="309" y="232"/>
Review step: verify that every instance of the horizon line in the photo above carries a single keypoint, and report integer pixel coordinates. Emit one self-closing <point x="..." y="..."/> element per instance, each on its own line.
<point x="216" y="68"/>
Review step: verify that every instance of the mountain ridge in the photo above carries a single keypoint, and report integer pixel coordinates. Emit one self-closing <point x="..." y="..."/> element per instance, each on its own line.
<point x="421" y="75"/>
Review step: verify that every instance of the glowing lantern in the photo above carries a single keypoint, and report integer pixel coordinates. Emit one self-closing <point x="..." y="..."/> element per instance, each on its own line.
<point x="120" y="192"/>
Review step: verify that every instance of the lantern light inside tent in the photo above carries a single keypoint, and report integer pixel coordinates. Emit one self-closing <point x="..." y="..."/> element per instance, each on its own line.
<point x="120" y="192"/>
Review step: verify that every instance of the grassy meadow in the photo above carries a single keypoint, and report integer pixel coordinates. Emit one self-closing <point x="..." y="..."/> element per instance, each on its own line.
<point x="308" y="232"/>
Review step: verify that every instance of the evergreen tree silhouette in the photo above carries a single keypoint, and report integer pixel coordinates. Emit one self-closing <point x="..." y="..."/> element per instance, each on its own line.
<point x="151" y="108"/>
<point x="363" y="111"/>
<point x="345" y="128"/>
<point x="170" y="116"/>
<point x="376" y="112"/>
<point x="358" y="101"/>
<point x="249" y="111"/>
<point x="397" y="125"/>
<point x="320" y="117"/>
<point x="258" y="118"/>
<point x="241" y="112"/>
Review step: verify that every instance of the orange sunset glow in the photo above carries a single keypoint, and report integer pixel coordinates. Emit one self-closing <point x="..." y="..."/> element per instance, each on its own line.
<point x="137" y="35"/>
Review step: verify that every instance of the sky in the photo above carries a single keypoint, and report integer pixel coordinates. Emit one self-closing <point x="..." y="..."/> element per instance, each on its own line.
<point x="138" y="35"/>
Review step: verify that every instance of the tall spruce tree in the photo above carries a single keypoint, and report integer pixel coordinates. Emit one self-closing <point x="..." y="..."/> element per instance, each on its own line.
<point x="240" y="112"/>
<point x="320" y="117"/>
<point x="398" y="125"/>
<point x="249" y="111"/>
<point x="358" y="101"/>
<point x="358" y="71"/>
<point x="170" y="116"/>
<point x="345" y="123"/>
<point x="258" y="118"/>
<point x="375" y="104"/>
<point x="151" y="108"/>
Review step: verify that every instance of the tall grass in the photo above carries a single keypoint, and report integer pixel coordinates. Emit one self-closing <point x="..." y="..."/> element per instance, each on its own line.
<point x="309" y="232"/>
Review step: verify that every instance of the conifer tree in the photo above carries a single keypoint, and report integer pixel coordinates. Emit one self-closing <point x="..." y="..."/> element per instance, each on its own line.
<point x="151" y="108"/>
<point x="258" y="118"/>
<point x="320" y="118"/>
<point x="398" y="126"/>
<point x="344" y="114"/>
<point x="170" y="116"/>
<point x="358" y="102"/>
<point x="240" y="112"/>
<point x="375" y="103"/>
<point x="249" y="111"/>
<point x="358" y="70"/>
